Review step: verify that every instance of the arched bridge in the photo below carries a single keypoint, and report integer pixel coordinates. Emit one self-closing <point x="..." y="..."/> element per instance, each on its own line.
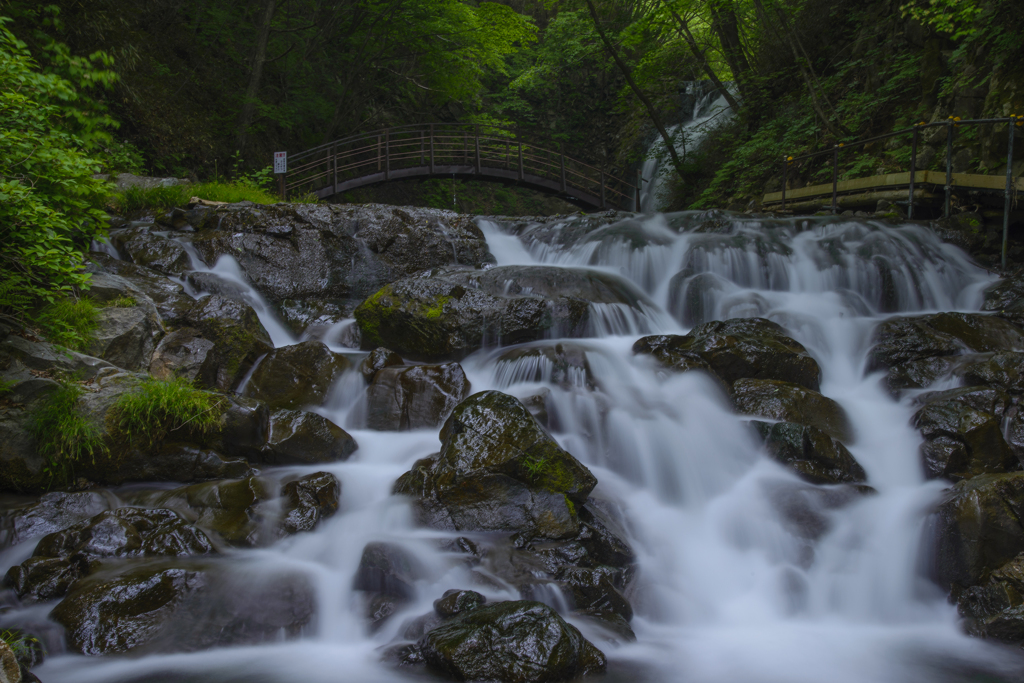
<point x="465" y="151"/>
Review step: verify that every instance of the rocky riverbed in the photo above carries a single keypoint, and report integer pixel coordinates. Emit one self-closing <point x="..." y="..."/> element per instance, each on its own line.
<point x="530" y="450"/>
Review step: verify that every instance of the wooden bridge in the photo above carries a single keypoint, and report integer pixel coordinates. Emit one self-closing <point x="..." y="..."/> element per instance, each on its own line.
<point x="464" y="151"/>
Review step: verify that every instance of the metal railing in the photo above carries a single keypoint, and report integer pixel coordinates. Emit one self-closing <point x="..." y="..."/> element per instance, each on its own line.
<point x="951" y="124"/>
<point x="464" y="150"/>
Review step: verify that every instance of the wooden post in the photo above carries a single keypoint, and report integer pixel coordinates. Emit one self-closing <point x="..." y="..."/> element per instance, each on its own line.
<point x="913" y="170"/>
<point x="465" y="147"/>
<point x="1009" y="187"/>
<point x="378" y="152"/>
<point x="280" y="187"/>
<point x="506" y="155"/>
<point x="835" y="179"/>
<point x="639" y="186"/>
<point x="477" y="141"/>
<point x="334" y="164"/>
<point x="387" y="155"/>
<point x="785" y="178"/>
<point x="604" y="204"/>
<point x="521" y="173"/>
<point x="421" y="147"/>
<point x="949" y="167"/>
<point x="561" y="162"/>
<point x="431" y="149"/>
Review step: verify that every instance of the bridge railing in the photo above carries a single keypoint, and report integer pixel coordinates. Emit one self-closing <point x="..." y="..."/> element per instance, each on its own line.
<point x="459" y="149"/>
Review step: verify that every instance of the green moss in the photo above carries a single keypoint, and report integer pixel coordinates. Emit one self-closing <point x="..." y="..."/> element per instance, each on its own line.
<point x="63" y="436"/>
<point x="437" y="309"/>
<point x="124" y="302"/>
<point x="157" y="409"/>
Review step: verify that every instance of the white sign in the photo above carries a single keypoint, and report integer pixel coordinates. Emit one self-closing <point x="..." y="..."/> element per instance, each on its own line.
<point x="280" y="162"/>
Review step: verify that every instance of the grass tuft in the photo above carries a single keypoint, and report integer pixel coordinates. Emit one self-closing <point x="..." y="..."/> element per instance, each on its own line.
<point x="159" y="407"/>
<point x="63" y="436"/>
<point x="124" y="302"/>
<point x="137" y="201"/>
<point x="68" y="322"/>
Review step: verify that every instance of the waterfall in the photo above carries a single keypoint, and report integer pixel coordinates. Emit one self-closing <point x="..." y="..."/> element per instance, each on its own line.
<point x="725" y="592"/>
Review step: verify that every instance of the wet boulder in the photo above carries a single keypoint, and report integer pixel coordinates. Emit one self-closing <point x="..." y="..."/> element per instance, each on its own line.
<point x="309" y="500"/>
<point x="517" y="642"/>
<point x="184" y="353"/>
<point x="963" y="433"/>
<point x="789" y="402"/>
<point x="169" y="298"/>
<point x="450" y="313"/>
<point x="300" y="438"/>
<point x="596" y="590"/>
<point x="125" y="336"/>
<point x="455" y="602"/>
<point x="335" y="252"/>
<point x="416" y="397"/>
<point x="917" y="351"/>
<point x="387" y="576"/>
<point x="1006" y="299"/>
<point x="180" y="462"/>
<point x="238" y="336"/>
<point x="995" y="609"/>
<point x="498" y="470"/>
<point x="377" y="360"/>
<point x="56" y="511"/>
<point x="734" y="349"/>
<point x="243" y="429"/>
<point x="153" y="251"/>
<point x="814" y="455"/>
<point x="296" y="376"/>
<point x="1004" y="370"/>
<point x="562" y="363"/>
<point x="978" y="529"/>
<point x="231" y="509"/>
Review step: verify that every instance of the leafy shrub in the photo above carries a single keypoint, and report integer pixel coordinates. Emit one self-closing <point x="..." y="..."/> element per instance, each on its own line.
<point x="67" y="321"/>
<point x="158" y="407"/>
<point x="50" y="206"/>
<point x="63" y="436"/>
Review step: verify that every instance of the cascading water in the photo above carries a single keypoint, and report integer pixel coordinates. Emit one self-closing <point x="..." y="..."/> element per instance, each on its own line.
<point x="725" y="592"/>
<point x="710" y="109"/>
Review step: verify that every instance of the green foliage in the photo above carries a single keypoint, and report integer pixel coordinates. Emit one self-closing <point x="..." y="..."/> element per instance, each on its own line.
<point x="64" y="437"/>
<point x="124" y="302"/>
<point x="122" y="157"/>
<point x="6" y="386"/>
<point x="955" y="17"/>
<point x="67" y="321"/>
<point x="22" y="644"/>
<point x="50" y="206"/>
<point x="157" y="408"/>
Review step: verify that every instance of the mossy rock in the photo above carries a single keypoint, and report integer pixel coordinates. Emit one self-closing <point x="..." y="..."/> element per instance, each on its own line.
<point x="238" y="336"/>
<point x="811" y="453"/>
<point x="296" y="376"/>
<point x="788" y="402"/>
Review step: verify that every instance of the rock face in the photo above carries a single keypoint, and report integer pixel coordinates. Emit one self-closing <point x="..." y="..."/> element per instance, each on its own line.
<point x="296" y="376"/>
<point x="238" y="337"/>
<point x="995" y="609"/>
<point x="335" y="253"/>
<point x="299" y="438"/>
<point x="813" y="454"/>
<point x="918" y="351"/>
<point x="167" y="296"/>
<point x="450" y="313"/>
<point x="734" y="349"/>
<point x="152" y="251"/>
<point x="416" y="397"/>
<point x="498" y="470"/>
<point x="309" y="500"/>
<point x="789" y="402"/>
<point x="963" y="433"/>
<point x="518" y="642"/>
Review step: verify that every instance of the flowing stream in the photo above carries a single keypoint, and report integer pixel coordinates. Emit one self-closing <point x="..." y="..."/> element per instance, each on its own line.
<point x="726" y="593"/>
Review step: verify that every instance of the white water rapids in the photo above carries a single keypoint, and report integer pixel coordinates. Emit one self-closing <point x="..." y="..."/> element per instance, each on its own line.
<point x="726" y="593"/>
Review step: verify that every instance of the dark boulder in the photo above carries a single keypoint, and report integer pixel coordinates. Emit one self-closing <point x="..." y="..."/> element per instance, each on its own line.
<point x="811" y="453"/>
<point x="300" y="438"/>
<point x="978" y="529"/>
<point x="415" y="397"/>
<point x="238" y="336"/>
<point x="126" y="336"/>
<point x="498" y="470"/>
<point x="920" y="350"/>
<point x="450" y="313"/>
<point x="995" y="609"/>
<point x="153" y="251"/>
<point x="735" y="349"/>
<point x="789" y="402"/>
<point x="1004" y="369"/>
<point x="183" y="353"/>
<point x="243" y="429"/>
<point x="56" y="511"/>
<point x="963" y="433"/>
<point x="596" y="589"/>
<point x="169" y="297"/>
<point x="1006" y="299"/>
<point x="387" y="576"/>
<point x="377" y="360"/>
<point x="296" y="376"/>
<point x="309" y="500"/>
<point x="455" y="602"/>
<point x="516" y="642"/>
<point x="231" y="509"/>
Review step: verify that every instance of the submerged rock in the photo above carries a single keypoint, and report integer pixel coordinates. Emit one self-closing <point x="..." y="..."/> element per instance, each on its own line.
<point x="387" y="576"/>
<point x="811" y="453"/>
<point x="735" y="349"/>
<point x="517" y="642"/>
<point x="296" y="376"/>
<point x="563" y="363"/>
<point x="498" y="470"/>
<point x="415" y="397"/>
<point x="789" y="402"/>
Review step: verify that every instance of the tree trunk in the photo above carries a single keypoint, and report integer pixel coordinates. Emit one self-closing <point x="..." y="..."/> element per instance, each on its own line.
<point x="726" y="26"/>
<point x="684" y="32"/>
<point x="259" y="58"/>
<point x="651" y="111"/>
